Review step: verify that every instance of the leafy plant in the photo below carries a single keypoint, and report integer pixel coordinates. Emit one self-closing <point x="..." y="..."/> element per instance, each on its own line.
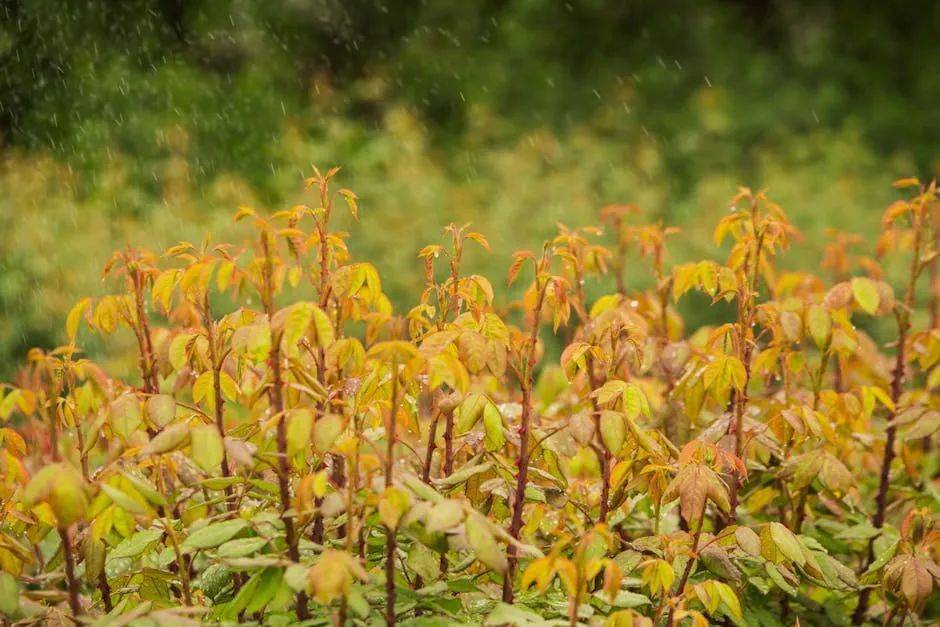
<point x="294" y="451"/>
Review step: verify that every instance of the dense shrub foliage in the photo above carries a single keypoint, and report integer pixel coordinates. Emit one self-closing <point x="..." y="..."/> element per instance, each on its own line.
<point x="147" y="121"/>
<point x="294" y="450"/>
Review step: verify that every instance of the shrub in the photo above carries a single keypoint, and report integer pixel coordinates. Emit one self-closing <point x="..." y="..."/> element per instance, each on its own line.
<point x="309" y="455"/>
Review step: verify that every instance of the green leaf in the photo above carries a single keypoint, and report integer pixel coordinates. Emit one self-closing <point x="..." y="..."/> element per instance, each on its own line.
<point x="161" y="409"/>
<point x="634" y="401"/>
<point x="323" y="328"/>
<point x="125" y="501"/>
<point x="213" y="535"/>
<point x="624" y="599"/>
<point x="866" y="294"/>
<point x="730" y="600"/>
<point x="787" y="543"/>
<point x="136" y="544"/>
<point x="203" y="389"/>
<point x="748" y="540"/>
<point x="94" y="551"/>
<point x="505" y="614"/>
<point x="469" y="412"/>
<point x="177" y="352"/>
<point x="443" y="516"/>
<point x="392" y="506"/>
<point x="820" y="324"/>
<point x="254" y="340"/>
<point x="861" y="531"/>
<point x="613" y="431"/>
<point x="296" y="577"/>
<point x="778" y="579"/>
<point x="423" y="561"/>
<point x="462" y="474"/>
<point x="326" y="430"/>
<point x="241" y="547"/>
<point x="299" y="429"/>
<point x="270" y="581"/>
<point x="293" y="322"/>
<point x="9" y="595"/>
<point x="125" y="415"/>
<point x="610" y="391"/>
<point x="494" y="439"/>
<point x="206" y="447"/>
<point x="883" y="558"/>
<point x="228" y="386"/>
<point x="484" y="543"/>
<point x="68" y="499"/>
<point x="145" y="488"/>
<point x="170" y="439"/>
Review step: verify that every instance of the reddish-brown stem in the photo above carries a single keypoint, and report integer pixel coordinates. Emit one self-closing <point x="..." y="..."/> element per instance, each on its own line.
<point x="105" y="590"/>
<point x="746" y="305"/>
<point x="522" y="471"/>
<point x="53" y="421"/>
<point x="316" y="534"/>
<point x="593" y="385"/>
<point x="217" y="392"/>
<point x="148" y="363"/>
<point x="102" y="583"/>
<point x="391" y="542"/>
<point x="881" y="500"/>
<point x="605" y="452"/>
<point x="391" y="545"/>
<point x="902" y="315"/>
<point x="688" y="567"/>
<point x="448" y="444"/>
<point x="72" y="582"/>
<point x="448" y="465"/>
<point x="276" y="400"/>
<point x="522" y="463"/>
<point x="429" y="455"/>
<point x="426" y="470"/>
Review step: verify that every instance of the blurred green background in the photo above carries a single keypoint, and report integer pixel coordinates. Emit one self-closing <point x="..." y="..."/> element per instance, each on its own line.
<point x="146" y="122"/>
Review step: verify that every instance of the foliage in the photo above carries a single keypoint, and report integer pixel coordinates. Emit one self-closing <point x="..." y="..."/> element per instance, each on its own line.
<point x="293" y="451"/>
<point x="136" y="122"/>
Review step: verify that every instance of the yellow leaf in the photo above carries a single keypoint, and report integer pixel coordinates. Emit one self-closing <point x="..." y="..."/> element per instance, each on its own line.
<point x="906" y="182"/>
<point x="392" y="506"/>
<point x="75" y="318"/>
<point x="866" y="294"/>
<point x="229" y="388"/>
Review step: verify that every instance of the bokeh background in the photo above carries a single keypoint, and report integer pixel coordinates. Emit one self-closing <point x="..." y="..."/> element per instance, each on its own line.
<point x="146" y="122"/>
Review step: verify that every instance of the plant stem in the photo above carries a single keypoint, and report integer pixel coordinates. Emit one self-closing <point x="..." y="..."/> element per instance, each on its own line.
<point x="70" y="572"/>
<point x="574" y="605"/>
<point x="391" y="542"/>
<point x="429" y="455"/>
<point x="688" y="566"/>
<point x="217" y="393"/>
<point x="605" y="452"/>
<point x="148" y="363"/>
<point x="105" y="590"/>
<point x="180" y="560"/>
<point x="594" y="384"/>
<point x="276" y="399"/>
<point x="902" y="315"/>
<point x="746" y="305"/>
<point x="448" y="465"/>
<point x="522" y="463"/>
